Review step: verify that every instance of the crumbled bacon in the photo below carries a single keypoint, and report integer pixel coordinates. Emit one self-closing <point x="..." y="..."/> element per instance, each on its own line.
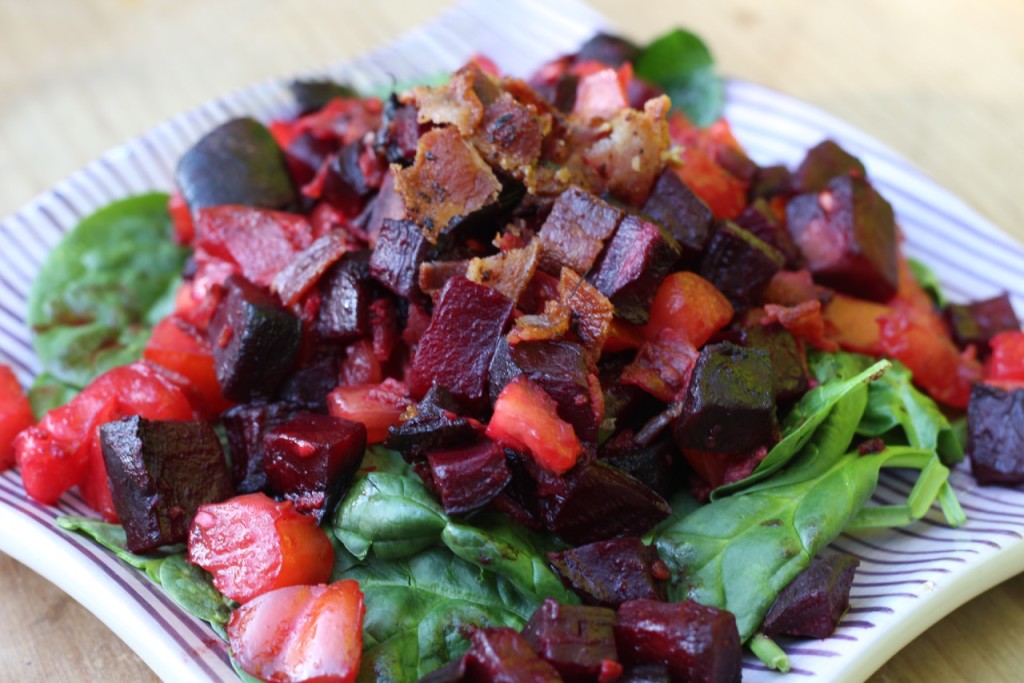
<point x="508" y="272"/>
<point x="454" y="103"/>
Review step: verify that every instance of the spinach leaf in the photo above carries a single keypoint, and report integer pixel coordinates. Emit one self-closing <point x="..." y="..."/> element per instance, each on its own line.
<point x="102" y="287"/>
<point x="926" y="277"/>
<point x="420" y="609"/>
<point x="497" y="545"/>
<point x="391" y="514"/>
<point x="680" y="63"/>
<point x="192" y="588"/>
<point x="47" y="392"/>
<point x="380" y="459"/>
<point x="111" y="537"/>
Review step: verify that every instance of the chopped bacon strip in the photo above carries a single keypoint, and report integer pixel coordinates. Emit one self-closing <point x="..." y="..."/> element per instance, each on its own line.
<point x="292" y="281"/>
<point x="553" y="323"/>
<point x="508" y="272"/>
<point x="804" y="321"/>
<point x="434" y="275"/>
<point x="662" y="366"/>
<point x="454" y="103"/>
<point x="575" y="230"/>
<point x="511" y="134"/>
<point x="591" y="311"/>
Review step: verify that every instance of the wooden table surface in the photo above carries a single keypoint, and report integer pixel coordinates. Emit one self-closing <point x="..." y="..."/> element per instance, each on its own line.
<point x="940" y="81"/>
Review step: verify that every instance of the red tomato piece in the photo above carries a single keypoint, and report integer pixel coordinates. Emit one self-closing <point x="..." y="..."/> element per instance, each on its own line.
<point x="301" y="634"/>
<point x="252" y="545"/>
<point x="178" y="346"/>
<point x="15" y="415"/>
<point x="804" y="321"/>
<point x="378" y="406"/>
<point x="1007" y="360"/>
<point x="526" y="418"/>
<point x="603" y="93"/>
<point x="181" y="219"/>
<point x="687" y="303"/>
<point x="724" y="193"/>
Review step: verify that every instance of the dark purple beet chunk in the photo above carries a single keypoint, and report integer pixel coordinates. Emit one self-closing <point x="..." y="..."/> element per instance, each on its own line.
<point x="395" y="263"/>
<point x="739" y="264"/>
<point x="308" y="386"/>
<point x="678" y="210"/>
<point x="244" y="426"/>
<point x="574" y="232"/>
<point x="635" y="261"/>
<point x="345" y="185"/>
<point x="977" y="322"/>
<point x="729" y="404"/>
<point x="469" y="478"/>
<point x="789" y="378"/>
<point x="600" y="502"/>
<point x="847" y="234"/>
<point x="574" y="639"/>
<point x="995" y="434"/>
<point x="306" y="153"/>
<point x="501" y="655"/>
<point x="314" y="94"/>
<point x="608" y="49"/>
<point x="646" y="673"/>
<point x="436" y="425"/>
<point x="160" y="473"/>
<point x="770" y="181"/>
<point x="311" y="458"/>
<point x="650" y="463"/>
<point x="812" y="604"/>
<point x="824" y="162"/>
<point x="609" y="573"/>
<point x="255" y="341"/>
<point x="399" y="132"/>
<point x="564" y="97"/>
<point x="699" y="644"/>
<point x="561" y="369"/>
<point x="759" y="220"/>
<point x="456" y="349"/>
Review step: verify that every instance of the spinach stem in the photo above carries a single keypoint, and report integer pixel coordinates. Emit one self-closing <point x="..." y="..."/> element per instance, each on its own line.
<point x="769" y="652"/>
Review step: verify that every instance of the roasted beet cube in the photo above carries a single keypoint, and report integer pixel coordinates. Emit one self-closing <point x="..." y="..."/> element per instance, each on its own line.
<point x="608" y="49"/>
<point x="308" y="386"/>
<point x="311" y="458"/>
<point x="346" y="185"/>
<point x="435" y="425"/>
<point x="457" y="347"/>
<point x="995" y="434"/>
<point x="789" y="374"/>
<point x="395" y="263"/>
<point x="739" y="264"/>
<point x="470" y="477"/>
<point x="637" y="258"/>
<point x="501" y="655"/>
<point x="730" y="403"/>
<point x="770" y="181"/>
<point x="255" y="341"/>
<point x="306" y="154"/>
<point x="575" y="230"/>
<point x="399" y="132"/>
<point x="299" y="276"/>
<point x="847" y="234"/>
<point x="696" y="642"/>
<point x="160" y="472"/>
<point x="977" y="322"/>
<point x="760" y="221"/>
<point x="601" y="502"/>
<point x="345" y="294"/>
<point x="681" y="213"/>
<point x="651" y="463"/>
<point x="244" y="426"/>
<point x="313" y="94"/>
<point x="609" y="573"/>
<point x="238" y="162"/>
<point x="562" y="370"/>
<point x="812" y="604"/>
<point x="825" y="161"/>
<point x="574" y="639"/>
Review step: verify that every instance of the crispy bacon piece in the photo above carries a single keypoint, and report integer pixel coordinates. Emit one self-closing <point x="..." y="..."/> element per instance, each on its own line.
<point x="508" y="272"/>
<point x="455" y="103"/>
<point x="591" y="311"/>
<point x="575" y="230"/>
<point x="511" y="134"/>
<point x="448" y="179"/>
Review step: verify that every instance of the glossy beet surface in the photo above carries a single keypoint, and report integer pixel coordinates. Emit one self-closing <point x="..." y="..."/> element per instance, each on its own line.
<point x="609" y="573"/>
<point x="978" y="321"/>
<point x="497" y="655"/>
<point x="813" y="603"/>
<point x="470" y="477"/>
<point x="576" y="640"/>
<point x="686" y="218"/>
<point x="575" y="230"/>
<point x="995" y="434"/>
<point x="739" y="264"/>
<point x="244" y="426"/>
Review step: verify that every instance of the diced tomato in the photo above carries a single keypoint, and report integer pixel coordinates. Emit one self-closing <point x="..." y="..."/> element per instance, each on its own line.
<point x="1006" y="363"/>
<point x="178" y="346"/>
<point x="603" y="93"/>
<point x="791" y="287"/>
<point x="301" y="634"/>
<point x="853" y="323"/>
<point x="378" y="406"/>
<point x="252" y="545"/>
<point x="688" y="304"/>
<point x="15" y="415"/>
<point x="526" y="418"/>
<point x="181" y="219"/>
<point x="623" y="336"/>
<point x="725" y="194"/>
<point x="804" y="321"/>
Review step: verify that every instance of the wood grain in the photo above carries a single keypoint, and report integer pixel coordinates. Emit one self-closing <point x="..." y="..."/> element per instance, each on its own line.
<point x="938" y="80"/>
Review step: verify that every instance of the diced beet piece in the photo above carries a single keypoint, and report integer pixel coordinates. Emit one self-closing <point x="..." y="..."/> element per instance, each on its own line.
<point x="311" y="458"/>
<point x="399" y="132"/>
<point x="650" y="463"/>
<point x="681" y="213"/>
<point x="313" y="94"/>
<point x="245" y="425"/>
<point x="457" y="347"/>
<point x="501" y="655"/>
<point x="295" y="279"/>
<point x="564" y="97"/>
<point x="562" y="370"/>
<point x="637" y="258"/>
<point x="239" y="162"/>
<point x="789" y="374"/>
<point x="995" y="434"/>
<point x="812" y="604"/>
<point x="769" y="182"/>
<point x="306" y="154"/>
<point x="575" y="230"/>
<point x="627" y="404"/>
<point x="345" y="294"/>
<point x="387" y="204"/>
<point x="576" y="640"/>
<point x="346" y="185"/>
<point x="760" y="221"/>
<point x="823" y="162"/>
<point x="436" y="425"/>
<point x="699" y="644"/>
<point x="601" y="502"/>
<point x="395" y="263"/>
<point x="646" y="673"/>
<point x="308" y="386"/>
<point x="608" y="49"/>
<point x="730" y="404"/>
<point x="609" y="573"/>
<point x="977" y="322"/>
<point x="847" y="234"/>
<point x="470" y="477"/>
<point x="160" y="473"/>
<point x="255" y="341"/>
<point x="739" y="264"/>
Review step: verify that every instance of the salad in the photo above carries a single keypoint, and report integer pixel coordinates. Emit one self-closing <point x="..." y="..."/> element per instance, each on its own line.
<point x="566" y="296"/>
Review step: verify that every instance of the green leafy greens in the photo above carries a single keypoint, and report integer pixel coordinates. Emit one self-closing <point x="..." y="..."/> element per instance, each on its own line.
<point x="680" y="63"/>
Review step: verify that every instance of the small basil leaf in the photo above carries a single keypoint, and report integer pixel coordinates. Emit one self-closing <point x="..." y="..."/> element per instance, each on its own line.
<point x="680" y="64"/>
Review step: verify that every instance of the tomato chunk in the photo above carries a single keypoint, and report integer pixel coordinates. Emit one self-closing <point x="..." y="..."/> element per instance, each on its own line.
<point x="253" y="545"/>
<point x="301" y="633"/>
<point x="378" y="406"/>
<point x="15" y="415"/>
<point x="178" y="346"/>
<point x="526" y="418"/>
<point x="688" y="303"/>
<point x="1007" y="360"/>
